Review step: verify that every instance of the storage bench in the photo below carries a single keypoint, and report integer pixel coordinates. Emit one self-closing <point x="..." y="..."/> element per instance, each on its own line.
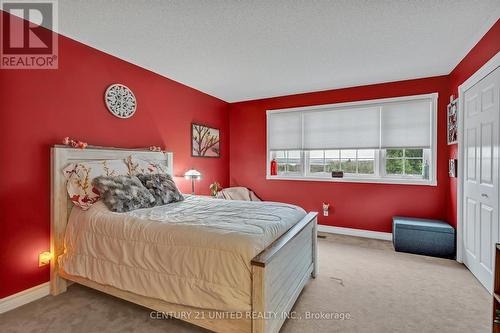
<point x="422" y="236"/>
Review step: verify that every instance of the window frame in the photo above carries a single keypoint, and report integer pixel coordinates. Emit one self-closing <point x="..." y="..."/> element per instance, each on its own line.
<point x="380" y="175"/>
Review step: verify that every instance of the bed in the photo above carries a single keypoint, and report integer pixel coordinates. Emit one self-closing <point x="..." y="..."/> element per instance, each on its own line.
<point x="228" y="266"/>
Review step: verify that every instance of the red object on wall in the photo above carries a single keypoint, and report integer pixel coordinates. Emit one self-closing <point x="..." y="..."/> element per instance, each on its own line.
<point x="39" y="107"/>
<point x="274" y="167"/>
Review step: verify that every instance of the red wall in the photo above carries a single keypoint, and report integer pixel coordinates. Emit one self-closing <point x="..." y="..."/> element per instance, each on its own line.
<point x="484" y="50"/>
<point x="40" y="107"/>
<point x="355" y="205"/>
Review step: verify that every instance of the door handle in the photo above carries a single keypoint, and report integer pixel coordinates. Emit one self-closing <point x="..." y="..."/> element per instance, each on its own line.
<point x="484" y="195"/>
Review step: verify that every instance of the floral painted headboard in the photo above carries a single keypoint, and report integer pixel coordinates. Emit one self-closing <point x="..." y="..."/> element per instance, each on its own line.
<point x="80" y="175"/>
<point x="94" y="162"/>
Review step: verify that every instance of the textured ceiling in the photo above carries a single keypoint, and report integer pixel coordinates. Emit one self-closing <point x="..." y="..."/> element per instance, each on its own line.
<point x="241" y="50"/>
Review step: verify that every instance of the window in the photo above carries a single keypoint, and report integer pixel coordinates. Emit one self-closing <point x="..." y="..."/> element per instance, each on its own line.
<point x="289" y="162"/>
<point x="356" y="162"/>
<point x="406" y="162"/>
<point x="390" y="140"/>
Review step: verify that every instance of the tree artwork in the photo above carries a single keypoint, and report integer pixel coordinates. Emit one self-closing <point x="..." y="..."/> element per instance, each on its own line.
<point x="205" y="141"/>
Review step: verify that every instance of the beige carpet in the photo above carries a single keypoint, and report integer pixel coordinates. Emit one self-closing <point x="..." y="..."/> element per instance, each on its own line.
<point x="378" y="289"/>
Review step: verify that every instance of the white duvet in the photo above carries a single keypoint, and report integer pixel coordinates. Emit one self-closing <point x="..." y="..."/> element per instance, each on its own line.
<point x="196" y="252"/>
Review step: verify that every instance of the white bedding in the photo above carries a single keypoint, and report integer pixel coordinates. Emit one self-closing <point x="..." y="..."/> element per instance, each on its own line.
<point x="196" y="252"/>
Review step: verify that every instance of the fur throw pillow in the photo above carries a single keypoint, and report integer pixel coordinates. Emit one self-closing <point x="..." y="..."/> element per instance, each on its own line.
<point x="162" y="187"/>
<point x="123" y="193"/>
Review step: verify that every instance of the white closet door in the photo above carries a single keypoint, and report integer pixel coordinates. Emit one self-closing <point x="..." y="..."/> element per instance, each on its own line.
<point x="481" y="177"/>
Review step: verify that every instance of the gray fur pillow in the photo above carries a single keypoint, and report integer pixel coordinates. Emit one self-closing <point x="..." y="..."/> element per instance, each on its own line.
<point x="162" y="187"/>
<point x="123" y="193"/>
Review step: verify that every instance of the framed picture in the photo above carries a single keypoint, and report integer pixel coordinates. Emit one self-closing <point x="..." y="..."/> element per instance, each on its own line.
<point x="205" y="141"/>
<point x="452" y="168"/>
<point x="452" y="122"/>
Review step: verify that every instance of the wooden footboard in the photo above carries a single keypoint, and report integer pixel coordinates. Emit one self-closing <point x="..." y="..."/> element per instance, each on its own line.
<point x="280" y="272"/>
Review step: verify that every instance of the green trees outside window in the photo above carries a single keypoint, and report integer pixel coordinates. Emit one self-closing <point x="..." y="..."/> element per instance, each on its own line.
<point x="404" y="162"/>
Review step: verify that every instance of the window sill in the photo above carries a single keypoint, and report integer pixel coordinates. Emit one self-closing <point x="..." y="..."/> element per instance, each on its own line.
<point x="398" y="181"/>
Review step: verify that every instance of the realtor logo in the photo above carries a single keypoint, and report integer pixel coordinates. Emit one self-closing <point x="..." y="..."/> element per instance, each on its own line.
<point x="28" y="40"/>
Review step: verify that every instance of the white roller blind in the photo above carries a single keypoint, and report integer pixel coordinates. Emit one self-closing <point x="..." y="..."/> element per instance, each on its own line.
<point x="406" y="124"/>
<point x="285" y="130"/>
<point x="383" y="124"/>
<point x="353" y="128"/>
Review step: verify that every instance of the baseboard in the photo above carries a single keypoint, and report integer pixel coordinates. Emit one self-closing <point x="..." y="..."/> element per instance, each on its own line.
<point x="355" y="232"/>
<point x="24" y="297"/>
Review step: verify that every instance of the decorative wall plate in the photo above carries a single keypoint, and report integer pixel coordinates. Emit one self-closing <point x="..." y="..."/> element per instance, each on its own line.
<point x="120" y="101"/>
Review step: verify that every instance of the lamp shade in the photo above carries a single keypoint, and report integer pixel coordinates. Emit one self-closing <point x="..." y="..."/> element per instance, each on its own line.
<point x="193" y="174"/>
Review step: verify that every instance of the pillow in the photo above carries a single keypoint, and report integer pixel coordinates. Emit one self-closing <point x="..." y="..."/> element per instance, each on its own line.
<point x="123" y="193"/>
<point x="162" y="187"/>
<point x="80" y="175"/>
<point x="139" y="166"/>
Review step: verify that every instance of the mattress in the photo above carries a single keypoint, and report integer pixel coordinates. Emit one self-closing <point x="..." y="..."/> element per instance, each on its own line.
<point x="196" y="252"/>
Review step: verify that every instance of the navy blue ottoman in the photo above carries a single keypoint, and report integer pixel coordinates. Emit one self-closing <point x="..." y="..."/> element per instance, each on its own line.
<point x="421" y="236"/>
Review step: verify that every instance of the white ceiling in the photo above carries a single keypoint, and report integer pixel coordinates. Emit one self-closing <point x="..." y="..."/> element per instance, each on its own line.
<point x="241" y="50"/>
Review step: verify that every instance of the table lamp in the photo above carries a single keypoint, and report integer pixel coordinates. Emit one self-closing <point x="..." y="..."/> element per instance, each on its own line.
<point x="192" y="174"/>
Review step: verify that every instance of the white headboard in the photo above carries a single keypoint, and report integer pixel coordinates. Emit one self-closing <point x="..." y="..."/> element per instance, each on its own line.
<point x="61" y="156"/>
